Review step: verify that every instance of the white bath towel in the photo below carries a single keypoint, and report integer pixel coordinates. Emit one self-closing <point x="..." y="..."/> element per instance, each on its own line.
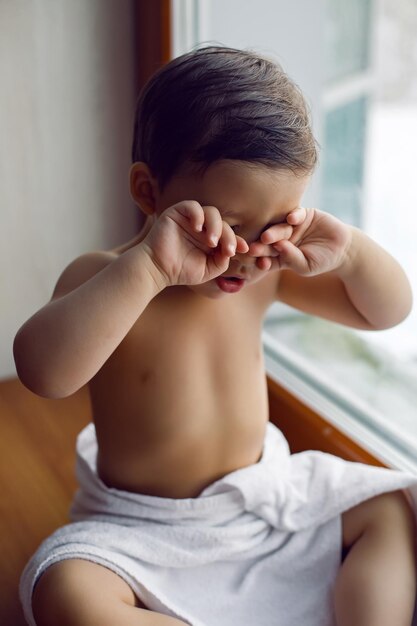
<point x="261" y="546"/>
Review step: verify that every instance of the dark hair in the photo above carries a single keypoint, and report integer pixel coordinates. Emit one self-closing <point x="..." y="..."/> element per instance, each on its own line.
<point x="221" y="103"/>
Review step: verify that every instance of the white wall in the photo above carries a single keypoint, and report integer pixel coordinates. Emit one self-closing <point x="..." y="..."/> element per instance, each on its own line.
<point x="67" y="96"/>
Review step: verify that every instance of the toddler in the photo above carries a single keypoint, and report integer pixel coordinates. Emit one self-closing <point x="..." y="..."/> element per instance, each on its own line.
<point x="190" y="508"/>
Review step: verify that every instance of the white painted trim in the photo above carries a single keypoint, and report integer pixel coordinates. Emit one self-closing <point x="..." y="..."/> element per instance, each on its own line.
<point x="203" y="21"/>
<point x="183" y="30"/>
<point x="189" y="24"/>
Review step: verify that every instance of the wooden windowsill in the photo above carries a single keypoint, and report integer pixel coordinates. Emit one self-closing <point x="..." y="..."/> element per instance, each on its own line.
<point x="306" y="430"/>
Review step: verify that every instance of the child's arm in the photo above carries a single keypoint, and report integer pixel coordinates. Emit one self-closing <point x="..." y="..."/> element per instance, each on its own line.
<point x="65" y="343"/>
<point x="337" y="272"/>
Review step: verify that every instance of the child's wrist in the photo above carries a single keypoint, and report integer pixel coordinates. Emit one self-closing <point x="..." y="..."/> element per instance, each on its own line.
<point x="141" y="264"/>
<point x="159" y="277"/>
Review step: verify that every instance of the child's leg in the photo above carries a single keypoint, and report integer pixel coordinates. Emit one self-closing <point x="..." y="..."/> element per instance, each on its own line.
<point x="376" y="585"/>
<point x="75" y="592"/>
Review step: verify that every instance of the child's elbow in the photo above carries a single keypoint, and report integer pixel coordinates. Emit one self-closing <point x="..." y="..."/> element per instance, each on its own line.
<point x="31" y="373"/>
<point x="405" y="307"/>
<point x="394" y="317"/>
<point x="405" y="302"/>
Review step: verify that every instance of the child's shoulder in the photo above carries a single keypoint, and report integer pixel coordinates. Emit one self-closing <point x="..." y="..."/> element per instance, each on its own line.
<point x="87" y="265"/>
<point x="82" y="269"/>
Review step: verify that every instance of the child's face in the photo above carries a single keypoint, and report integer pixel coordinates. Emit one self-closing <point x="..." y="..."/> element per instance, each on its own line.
<point x="250" y="199"/>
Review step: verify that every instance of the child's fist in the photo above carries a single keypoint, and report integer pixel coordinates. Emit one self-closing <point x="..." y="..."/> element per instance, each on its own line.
<point x="190" y="244"/>
<point x="318" y="243"/>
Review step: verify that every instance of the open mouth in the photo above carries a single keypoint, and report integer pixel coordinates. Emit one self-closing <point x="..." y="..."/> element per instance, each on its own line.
<point x="230" y="284"/>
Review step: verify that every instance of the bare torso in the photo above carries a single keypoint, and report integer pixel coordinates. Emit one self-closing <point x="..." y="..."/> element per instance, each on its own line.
<point x="182" y="401"/>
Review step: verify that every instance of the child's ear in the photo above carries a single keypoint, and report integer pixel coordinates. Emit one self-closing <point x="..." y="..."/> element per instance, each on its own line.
<point x="143" y="187"/>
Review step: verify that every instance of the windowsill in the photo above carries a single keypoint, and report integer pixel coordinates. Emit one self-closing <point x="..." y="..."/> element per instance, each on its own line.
<point x="333" y="384"/>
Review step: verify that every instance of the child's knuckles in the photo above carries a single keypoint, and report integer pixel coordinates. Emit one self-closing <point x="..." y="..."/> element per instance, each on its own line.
<point x="265" y="250"/>
<point x="212" y="213"/>
<point x="277" y="232"/>
<point x="227" y="230"/>
<point x="189" y="209"/>
<point x="258" y="248"/>
<point x="194" y="204"/>
<point x="228" y="239"/>
<point x="190" y="206"/>
<point x="213" y="219"/>
<point x="285" y="231"/>
<point x="254" y="250"/>
<point x="288" y="231"/>
<point x="273" y="252"/>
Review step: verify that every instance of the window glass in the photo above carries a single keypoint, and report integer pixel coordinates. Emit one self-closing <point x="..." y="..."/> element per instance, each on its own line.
<point x="347" y="37"/>
<point x="343" y="160"/>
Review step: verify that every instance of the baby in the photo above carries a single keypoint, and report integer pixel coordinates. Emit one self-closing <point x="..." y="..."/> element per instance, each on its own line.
<point x="191" y="509"/>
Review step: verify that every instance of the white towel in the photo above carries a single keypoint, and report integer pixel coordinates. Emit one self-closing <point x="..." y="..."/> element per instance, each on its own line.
<point x="262" y="545"/>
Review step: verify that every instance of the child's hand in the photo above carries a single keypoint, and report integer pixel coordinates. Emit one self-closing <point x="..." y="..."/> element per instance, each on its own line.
<point x="190" y="244"/>
<point x="319" y="243"/>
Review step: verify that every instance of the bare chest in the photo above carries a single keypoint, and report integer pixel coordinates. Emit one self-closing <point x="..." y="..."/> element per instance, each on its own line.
<point x="186" y="389"/>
